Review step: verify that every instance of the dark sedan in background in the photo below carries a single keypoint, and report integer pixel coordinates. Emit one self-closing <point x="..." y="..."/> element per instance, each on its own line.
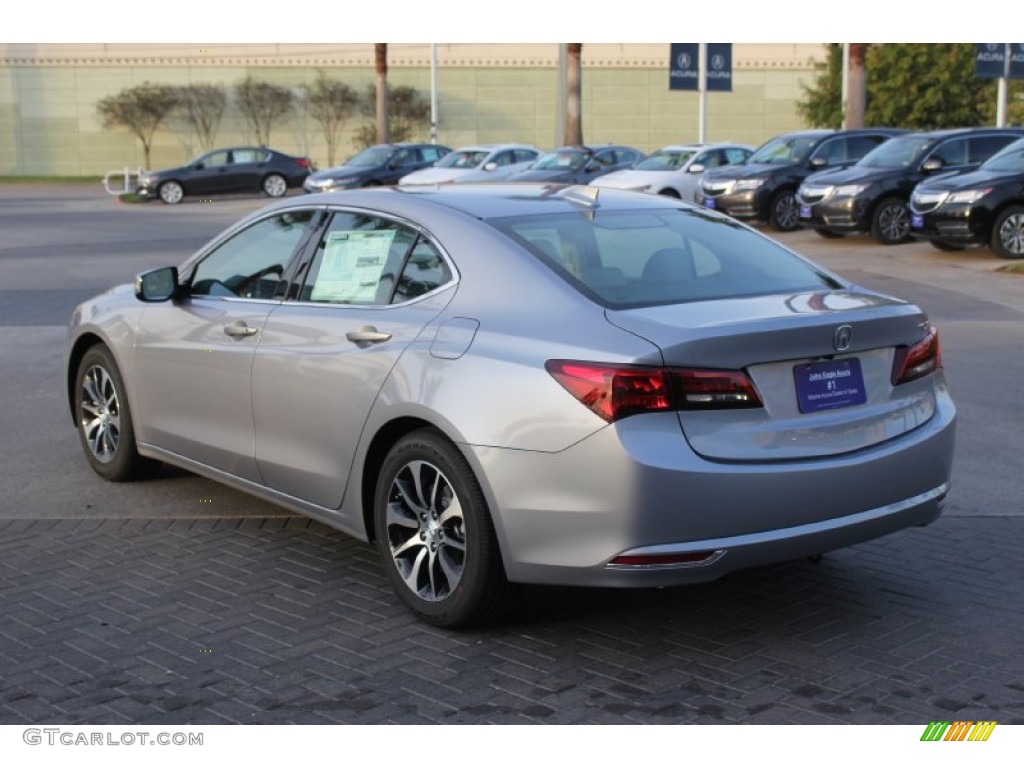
<point x="222" y="171"/>
<point x="872" y="195"/>
<point x="579" y="165"/>
<point x="764" y="187"/>
<point x="379" y="165"/>
<point x="983" y="207"/>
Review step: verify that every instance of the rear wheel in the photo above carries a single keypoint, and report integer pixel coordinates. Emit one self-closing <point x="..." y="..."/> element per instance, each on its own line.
<point x="274" y="185"/>
<point x="784" y="215"/>
<point x="1008" y="233"/>
<point x="890" y="223"/>
<point x="435" y="535"/>
<point x="171" y="192"/>
<point x="104" y="420"/>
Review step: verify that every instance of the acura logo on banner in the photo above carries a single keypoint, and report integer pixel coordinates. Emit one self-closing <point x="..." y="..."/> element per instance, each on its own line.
<point x="719" y="74"/>
<point x="682" y="67"/>
<point x="990" y="60"/>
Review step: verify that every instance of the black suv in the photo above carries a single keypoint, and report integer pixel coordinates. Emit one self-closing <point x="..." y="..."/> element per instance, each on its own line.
<point x="380" y="164"/>
<point x="764" y="187"/>
<point x="985" y="206"/>
<point x="872" y="195"/>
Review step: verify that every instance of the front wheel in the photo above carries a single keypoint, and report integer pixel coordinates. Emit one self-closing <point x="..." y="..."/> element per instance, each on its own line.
<point x="890" y="224"/>
<point x="784" y="215"/>
<point x="1008" y="233"/>
<point x="274" y="185"/>
<point x="104" y="420"/>
<point x="171" y="192"/>
<point x="435" y="535"/>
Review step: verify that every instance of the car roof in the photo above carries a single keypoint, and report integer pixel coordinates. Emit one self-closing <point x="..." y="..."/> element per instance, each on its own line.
<point x="943" y="133"/>
<point x="492" y="147"/>
<point x="697" y="145"/>
<point x="481" y="201"/>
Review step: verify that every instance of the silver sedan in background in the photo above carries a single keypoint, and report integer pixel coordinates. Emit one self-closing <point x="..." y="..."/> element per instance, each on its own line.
<point x="507" y="384"/>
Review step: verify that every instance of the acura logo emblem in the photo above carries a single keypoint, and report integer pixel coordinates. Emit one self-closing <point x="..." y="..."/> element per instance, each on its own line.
<point x="843" y="338"/>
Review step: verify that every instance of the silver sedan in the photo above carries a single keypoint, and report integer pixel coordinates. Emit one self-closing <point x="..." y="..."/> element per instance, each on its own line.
<point x="523" y="384"/>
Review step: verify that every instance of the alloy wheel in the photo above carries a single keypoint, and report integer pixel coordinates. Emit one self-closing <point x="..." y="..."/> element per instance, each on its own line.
<point x="1011" y="234"/>
<point x="100" y="414"/>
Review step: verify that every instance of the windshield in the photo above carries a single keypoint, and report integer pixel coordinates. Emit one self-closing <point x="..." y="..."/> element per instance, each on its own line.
<point x="463" y="158"/>
<point x="784" y="150"/>
<point x="646" y="257"/>
<point x="900" y="152"/>
<point x="664" y="161"/>
<point x="371" y="157"/>
<point x="562" y="160"/>
<point x="1009" y="159"/>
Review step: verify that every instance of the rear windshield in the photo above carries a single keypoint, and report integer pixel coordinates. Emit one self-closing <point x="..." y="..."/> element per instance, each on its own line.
<point x="627" y="259"/>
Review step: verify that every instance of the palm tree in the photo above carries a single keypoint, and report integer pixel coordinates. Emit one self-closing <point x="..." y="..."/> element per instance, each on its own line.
<point x="380" y="52"/>
<point x="574" y="94"/>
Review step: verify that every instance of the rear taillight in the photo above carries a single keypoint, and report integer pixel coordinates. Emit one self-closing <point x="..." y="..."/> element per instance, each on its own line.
<point x="616" y="391"/>
<point x="303" y="162"/>
<point x="922" y="358"/>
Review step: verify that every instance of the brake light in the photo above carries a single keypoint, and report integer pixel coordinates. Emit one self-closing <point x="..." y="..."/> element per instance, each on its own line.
<point x="302" y="162"/>
<point x="922" y="358"/>
<point x="616" y="391"/>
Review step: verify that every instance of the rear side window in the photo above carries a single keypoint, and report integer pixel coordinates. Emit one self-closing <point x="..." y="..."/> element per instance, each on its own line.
<point x="641" y="258"/>
<point x="983" y="147"/>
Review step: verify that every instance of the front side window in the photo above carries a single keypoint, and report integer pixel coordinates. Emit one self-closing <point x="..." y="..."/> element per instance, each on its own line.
<point x="953" y="152"/>
<point x="250" y="263"/>
<point x="214" y="159"/>
<point x="642" y="258"/>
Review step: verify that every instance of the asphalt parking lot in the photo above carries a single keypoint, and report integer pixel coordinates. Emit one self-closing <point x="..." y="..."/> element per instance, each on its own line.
<point x="179" y="601"/>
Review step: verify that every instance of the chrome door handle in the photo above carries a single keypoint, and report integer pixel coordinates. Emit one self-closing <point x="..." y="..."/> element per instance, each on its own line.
<point x="367" y="335"/>
<point x="240" y="330"/>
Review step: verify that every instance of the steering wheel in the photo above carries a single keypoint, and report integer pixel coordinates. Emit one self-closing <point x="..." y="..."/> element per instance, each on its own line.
<point x="245" y="286"/>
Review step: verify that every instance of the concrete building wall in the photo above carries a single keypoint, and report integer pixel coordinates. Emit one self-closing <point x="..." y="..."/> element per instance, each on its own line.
<point x="486" y="93"/>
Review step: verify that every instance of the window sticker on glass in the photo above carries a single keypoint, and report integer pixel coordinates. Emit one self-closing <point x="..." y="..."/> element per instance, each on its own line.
<point x="352" y="266"/>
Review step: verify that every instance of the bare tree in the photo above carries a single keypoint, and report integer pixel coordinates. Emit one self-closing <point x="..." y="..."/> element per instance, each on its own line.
<point x="408" y="113"/>
<point x="140" y="109"/>
<point x="330" y="103"/>
<point x="380" y="58"/>
<point x="856" y="97"/>
<point x="574" y="94"/>
<point x="202" y="106"/>
<point x="263" y="104"/>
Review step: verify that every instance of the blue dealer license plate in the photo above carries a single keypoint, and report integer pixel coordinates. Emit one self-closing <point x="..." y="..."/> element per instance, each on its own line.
<point x="830" y="384"/>
<point x="916" y="221"/>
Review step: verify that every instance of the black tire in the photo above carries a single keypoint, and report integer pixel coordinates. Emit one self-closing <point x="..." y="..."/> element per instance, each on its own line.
<point x="890" y="223"/>
<point x="829" y="234"/>
<point x="784" y="214"/>
<point x="171" y="192"/>
<point x="1008" y="233"/>
<point x="104" y="420"/>
<point x="446" y="569"/>
<point x="942" y="245"/>
<point x="274" y="185"/>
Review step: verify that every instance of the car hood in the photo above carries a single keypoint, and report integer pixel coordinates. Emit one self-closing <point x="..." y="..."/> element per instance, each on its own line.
<point x="855" y="174"/>
<point x="341" y="172"/>
<point x="435" y="175"/>
<point x="971" y="179"/>
<point x="747" y="171"/>
<point x="632" y="179"/>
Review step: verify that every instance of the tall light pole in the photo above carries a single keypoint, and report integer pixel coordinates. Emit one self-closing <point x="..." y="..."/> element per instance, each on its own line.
<point x="433" y="93"/>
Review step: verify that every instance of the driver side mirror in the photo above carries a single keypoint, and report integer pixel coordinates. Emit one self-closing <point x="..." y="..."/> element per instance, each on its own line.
<point x="931" y="165"/>
<point x="818" y="162"/>
<point x="696" y="168"/>
<point x="157" y="285"/>
<point x="490" y="166"/>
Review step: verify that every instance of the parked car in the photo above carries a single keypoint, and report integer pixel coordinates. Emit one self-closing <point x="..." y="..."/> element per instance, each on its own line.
<point x="377" y="165"/>
<point x="763" y="189"/>
<point x="871" y="196"/>
<point x="984" y="207"/>
<point x="504" y="384"/>
<point x="674" y="171"/>
<point x="235" y="169"/>
<point x="579" y="165"/>
<point x="482" y="162"/>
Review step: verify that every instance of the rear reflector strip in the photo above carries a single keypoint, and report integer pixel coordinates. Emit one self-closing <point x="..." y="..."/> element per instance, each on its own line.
<point x="666" y="561"/>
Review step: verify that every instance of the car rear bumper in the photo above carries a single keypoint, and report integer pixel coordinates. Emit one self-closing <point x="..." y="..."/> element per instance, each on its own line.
<point x="635" y="489"/>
